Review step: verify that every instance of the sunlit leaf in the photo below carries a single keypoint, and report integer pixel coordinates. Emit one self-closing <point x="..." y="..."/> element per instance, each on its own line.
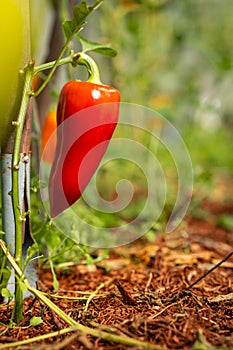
<point x="22" y="286"/>
<point x="6" y="293"/>
<point x="69" y="28"/>
<point x="31" y="252"/>
<point x="80" y="12"/>
<point x="103" y="49"/>
<point x="35" y="321"/>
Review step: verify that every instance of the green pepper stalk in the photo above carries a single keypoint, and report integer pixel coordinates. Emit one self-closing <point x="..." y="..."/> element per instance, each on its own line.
<point x="15" y="54"/>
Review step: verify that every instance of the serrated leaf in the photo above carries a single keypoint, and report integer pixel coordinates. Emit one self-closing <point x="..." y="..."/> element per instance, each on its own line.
<point x="69" y="28"/>
<point x="80" y="12"/>
<point x="103" y="49"/>
<point x="35" y="321"/>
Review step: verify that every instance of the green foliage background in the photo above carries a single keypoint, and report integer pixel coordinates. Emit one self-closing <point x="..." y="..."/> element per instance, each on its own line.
<point x="177" y="57"/>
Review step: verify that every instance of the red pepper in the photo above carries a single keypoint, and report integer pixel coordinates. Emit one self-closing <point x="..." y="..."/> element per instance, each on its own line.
<point x="82" y="138"/>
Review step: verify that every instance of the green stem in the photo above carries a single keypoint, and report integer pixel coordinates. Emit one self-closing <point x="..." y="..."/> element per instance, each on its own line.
<point x="54" y="67"/>
<point x="18" y="215"/>
<point x="78" y="58"/>
<point x="59" y="61"/>
<point x="90" y="64"/>
<point x="49" y="65"/>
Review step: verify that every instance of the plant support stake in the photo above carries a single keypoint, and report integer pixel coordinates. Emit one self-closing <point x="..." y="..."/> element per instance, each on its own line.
<point x="8" y="217"/>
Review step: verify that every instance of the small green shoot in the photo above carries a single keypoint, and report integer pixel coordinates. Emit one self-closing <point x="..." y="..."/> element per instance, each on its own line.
<point x="35" y="321"/>
<point x="7" y="294"/>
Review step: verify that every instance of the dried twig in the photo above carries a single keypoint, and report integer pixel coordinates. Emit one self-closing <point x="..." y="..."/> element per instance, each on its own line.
<point x="209" y="271"/>
<point x="186" y="291"/>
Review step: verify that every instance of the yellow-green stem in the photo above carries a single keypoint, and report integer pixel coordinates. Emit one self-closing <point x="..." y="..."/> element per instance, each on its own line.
<point x="18" y="215"/>
<point x="49" y="65"/>
<point x="79" y="58"/>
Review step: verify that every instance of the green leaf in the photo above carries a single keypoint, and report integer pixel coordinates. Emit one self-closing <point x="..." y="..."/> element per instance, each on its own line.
<point x="4" y="275"/>
<point x="22" y="286"/>
<point x="7" y="294"/>
<point x="35" y="321"/>
<point x="31" y="253"/>
<point x="103" y="49"/>
<point x="55" y="280"/>
<point x="80" y="12"/>
<point x="225" y="221"/>
<point x="69" y="28"/>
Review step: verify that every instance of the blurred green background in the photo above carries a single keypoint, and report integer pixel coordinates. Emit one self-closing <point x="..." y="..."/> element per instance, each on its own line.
<point x="177" y="57"/>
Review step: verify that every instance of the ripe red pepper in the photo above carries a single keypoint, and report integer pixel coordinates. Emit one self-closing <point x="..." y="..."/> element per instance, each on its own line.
<point x="82" y="138"/>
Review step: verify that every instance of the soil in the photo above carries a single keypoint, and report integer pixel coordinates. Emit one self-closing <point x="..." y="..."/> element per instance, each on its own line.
<point x="147" y="291"/>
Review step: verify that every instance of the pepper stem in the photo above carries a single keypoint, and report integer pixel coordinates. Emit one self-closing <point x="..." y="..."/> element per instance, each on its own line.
<point x="92" y="68"/>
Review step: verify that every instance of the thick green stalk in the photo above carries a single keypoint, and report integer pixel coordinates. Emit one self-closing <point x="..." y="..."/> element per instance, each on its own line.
<point x="18" y="215"/>
<point x="15" y="54"/>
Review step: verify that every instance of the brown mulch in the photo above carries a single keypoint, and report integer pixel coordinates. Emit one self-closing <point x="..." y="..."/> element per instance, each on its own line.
<point x="144" y="292"/>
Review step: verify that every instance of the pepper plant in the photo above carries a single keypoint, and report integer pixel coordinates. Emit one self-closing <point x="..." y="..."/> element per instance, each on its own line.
<point x="15" y="116"/>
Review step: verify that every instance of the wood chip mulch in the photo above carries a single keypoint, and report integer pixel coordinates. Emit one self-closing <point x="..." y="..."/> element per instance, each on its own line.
<point x="142" y="292"/>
